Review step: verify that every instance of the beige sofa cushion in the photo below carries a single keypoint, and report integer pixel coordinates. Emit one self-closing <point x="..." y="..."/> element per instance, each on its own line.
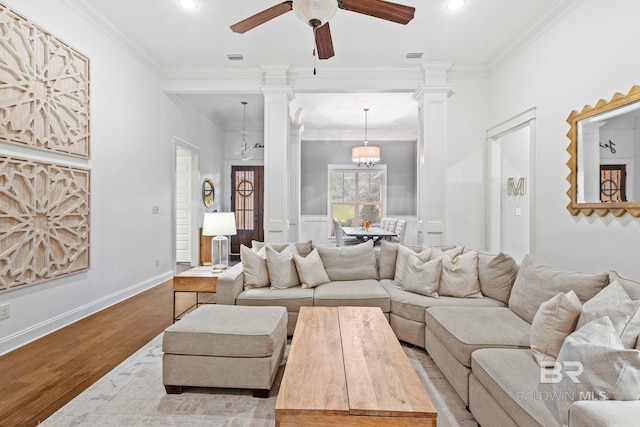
<point x="411" y="306"/>
<point x="512" y="377"/>
<point x="614" y="302"/>
<point x="282" y="270"/>
<point x="311" y="270"/>
<point x="254" y="267"/>
<point x="291" y="298"/>
<point x="228" y="331"/>
<point x="553" y="322"/>
<point x="610" y="372"/>
<point x="349" y="262"/>
<point x="359" y="293"/>
<point x="496" y="273"/>
<point x="465" y="329"/>
<point x="597" y="413"/>
<point x="459" y="276"/>
<point x="538" y="282"/>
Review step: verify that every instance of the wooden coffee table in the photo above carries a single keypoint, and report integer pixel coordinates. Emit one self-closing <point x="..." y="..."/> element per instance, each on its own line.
<point x="347" y="368"/>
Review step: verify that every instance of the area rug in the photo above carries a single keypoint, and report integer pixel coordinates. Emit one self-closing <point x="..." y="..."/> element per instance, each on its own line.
<point x="132" y="394"/>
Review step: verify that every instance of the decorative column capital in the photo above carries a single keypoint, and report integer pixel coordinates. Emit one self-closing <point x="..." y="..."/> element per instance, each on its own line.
<point x="275" y="74"/>
<point x="436" y="72"/>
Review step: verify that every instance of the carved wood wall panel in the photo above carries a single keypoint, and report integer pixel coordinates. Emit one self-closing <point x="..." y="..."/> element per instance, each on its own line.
<point x="44" y="221"/>
<point x="44" y="88"/>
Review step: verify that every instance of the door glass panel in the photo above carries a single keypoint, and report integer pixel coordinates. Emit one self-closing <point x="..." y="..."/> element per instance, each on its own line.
<point x="245" y="200"/>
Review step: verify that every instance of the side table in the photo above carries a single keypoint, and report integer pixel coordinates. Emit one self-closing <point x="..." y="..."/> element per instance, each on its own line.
<point x="198" y="280"/>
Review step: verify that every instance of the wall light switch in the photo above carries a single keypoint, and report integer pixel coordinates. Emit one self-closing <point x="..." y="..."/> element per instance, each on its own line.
<point x="155" y="210"/>
<point x="4" y="311"/>
<point x="518" y="211"/>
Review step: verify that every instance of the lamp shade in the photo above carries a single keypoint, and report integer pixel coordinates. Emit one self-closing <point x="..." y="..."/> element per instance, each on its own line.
<point x="219" y="224"/>
<point x="365" y="154"/>
<point x="315" y="12"/>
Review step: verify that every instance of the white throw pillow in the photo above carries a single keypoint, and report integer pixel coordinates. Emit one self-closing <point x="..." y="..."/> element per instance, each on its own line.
<point x="389" y="258"/>
<point x="254" y="267"/>
<point x="459" y="277"/>
<point x="437" y="252"/>
<point x="282" y="268"/>
<point x="553" y="322"/>
<point x="615" y="303"/>
<point x="609" y="371"/>
<point x="415" y="273"/>
<point x="311" y="270"/>
<point x="496" y="273"/>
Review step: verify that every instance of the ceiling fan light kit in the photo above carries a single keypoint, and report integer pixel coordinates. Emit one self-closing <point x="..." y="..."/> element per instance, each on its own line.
<point x="315" y="12"/>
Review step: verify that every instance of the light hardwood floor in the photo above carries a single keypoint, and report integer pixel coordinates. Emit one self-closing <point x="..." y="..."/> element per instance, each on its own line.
<point x="41" y="377"/>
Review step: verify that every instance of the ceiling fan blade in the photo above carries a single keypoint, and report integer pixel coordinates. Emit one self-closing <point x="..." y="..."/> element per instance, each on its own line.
<point x="380" y="9"/>
<point x="324" y="44"/>
<point x="262" y="17"/>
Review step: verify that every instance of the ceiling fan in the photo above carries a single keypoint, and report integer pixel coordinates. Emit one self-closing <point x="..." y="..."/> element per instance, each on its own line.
<point x="317" y="13"/>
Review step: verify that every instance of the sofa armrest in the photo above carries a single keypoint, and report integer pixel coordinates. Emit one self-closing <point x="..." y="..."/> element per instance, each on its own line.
<point x="230" y="284"/>
<point x="604" y="413"/>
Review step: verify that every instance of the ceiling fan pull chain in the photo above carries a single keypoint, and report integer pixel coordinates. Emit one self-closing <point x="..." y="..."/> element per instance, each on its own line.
<point x="314" y="51"/>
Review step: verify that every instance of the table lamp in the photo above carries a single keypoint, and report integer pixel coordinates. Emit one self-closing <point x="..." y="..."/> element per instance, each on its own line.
<point x="220" y="225"/>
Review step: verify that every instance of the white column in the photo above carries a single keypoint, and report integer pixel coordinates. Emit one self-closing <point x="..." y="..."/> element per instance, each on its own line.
<point x="295" y="153"/>
<point x="276" y="155"/>
<point x="432" y="156"/>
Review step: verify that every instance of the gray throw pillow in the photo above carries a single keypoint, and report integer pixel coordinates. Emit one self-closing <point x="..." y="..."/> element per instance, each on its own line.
<point x="538" y="282"/>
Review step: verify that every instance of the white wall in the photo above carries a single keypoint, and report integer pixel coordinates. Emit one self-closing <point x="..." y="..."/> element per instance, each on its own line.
<point x="132" y="128"/>
<point x="585" y="57"/>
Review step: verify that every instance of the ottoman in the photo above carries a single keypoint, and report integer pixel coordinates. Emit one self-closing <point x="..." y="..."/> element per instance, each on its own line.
<point x="225" y="346"/>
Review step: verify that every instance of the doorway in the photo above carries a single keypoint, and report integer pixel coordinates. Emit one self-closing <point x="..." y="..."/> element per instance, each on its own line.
<point x="186" y="172"/>
<point x="511" y="148"/>
<point x="247" y="201"/>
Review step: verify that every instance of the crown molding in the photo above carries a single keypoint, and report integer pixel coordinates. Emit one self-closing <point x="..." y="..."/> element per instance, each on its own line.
<point x="94" y="16"/>
<point x="552" y="16"/>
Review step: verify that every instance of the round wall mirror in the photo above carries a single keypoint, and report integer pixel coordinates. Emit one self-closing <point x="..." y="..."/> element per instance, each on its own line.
<point x="208" y="192"/>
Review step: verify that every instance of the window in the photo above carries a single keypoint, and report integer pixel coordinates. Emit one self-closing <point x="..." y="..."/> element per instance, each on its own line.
<point x="356" y="194"/>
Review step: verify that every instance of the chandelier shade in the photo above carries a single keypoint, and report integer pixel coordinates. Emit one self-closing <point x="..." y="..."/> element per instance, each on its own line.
<point x="315" y="12"/>
<point x="365" y="155"/>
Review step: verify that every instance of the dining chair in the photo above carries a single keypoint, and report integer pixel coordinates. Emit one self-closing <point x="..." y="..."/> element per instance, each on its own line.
<point x="342" y="240"/>
<point x="401" y="229"/>
<point x="391" y="224"/>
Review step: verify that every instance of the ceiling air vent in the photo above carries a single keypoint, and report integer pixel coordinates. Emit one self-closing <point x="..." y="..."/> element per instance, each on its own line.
<point x="414" y="55"/>
<point x="235" y="56"/>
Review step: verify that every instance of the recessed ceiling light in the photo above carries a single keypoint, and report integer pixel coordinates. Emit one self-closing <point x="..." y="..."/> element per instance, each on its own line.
<point x="455" y="4"/>
<point x="188" y="4"/>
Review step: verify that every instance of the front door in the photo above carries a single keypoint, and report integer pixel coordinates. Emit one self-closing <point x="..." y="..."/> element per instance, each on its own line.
<point x="247" y="200"/>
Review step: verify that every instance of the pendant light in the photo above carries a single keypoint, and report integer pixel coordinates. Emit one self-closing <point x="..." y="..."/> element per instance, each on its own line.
<point x="244" y="150"/>
<point x="365" y="155"/>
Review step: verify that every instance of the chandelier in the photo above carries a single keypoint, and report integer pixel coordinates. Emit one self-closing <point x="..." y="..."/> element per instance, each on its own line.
<point x="365" y="155"/>
<point x="244" y="150"/>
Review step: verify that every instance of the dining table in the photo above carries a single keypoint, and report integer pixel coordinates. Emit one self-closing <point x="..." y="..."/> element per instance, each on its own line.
<point x="363" y="233"/>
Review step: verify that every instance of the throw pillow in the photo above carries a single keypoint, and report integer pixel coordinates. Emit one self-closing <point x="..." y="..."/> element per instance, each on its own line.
<point x="254" y="267"/>
<point x="303" y="248"/>
<point x="349" y="262"/>
<point x="438" y="252"/>
<point x="282" y="269"/>
<point x="632" y="287"/>
<point x="553" y="322"/>
<point x="537" y="282"/>
<point x="311" y="270"/>
<point x="614" y="303"/>
<point x="415" y="273"/>
<point x="389" y="257"/>
<point x="595" y="365"/>
<point x="496" y="273"/>
<point x="459" y="276"/>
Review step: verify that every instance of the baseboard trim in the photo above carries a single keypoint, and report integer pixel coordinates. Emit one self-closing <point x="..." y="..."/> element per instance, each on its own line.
<point x="28" y="335"/>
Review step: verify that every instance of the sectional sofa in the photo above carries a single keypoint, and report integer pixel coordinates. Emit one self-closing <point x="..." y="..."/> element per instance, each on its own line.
<point x="501" y="333"/>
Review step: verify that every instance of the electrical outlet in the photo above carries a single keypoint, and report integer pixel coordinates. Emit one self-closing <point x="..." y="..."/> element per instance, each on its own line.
<point x="157" y="262"/>
<point x="4" y="311"/>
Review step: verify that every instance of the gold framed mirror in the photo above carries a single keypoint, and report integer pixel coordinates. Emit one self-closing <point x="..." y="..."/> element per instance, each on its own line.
<point x="208" y="192"/>
<point x="605" y="157"/>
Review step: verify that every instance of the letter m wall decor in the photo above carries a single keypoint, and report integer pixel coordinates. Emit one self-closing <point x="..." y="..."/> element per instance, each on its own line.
<point x="44" y="106"/>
